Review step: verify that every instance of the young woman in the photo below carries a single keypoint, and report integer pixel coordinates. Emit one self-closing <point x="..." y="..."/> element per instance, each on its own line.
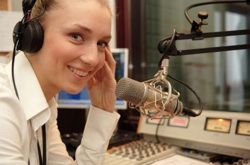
<point x="74" y="53"/>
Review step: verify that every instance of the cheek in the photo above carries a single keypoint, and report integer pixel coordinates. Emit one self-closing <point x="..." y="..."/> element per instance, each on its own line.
<point x="55" y="45"/>
<point x="59" y="51"/>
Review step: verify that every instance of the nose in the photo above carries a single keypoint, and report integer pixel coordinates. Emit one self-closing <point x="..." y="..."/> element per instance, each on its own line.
<point x="91" y="55"/>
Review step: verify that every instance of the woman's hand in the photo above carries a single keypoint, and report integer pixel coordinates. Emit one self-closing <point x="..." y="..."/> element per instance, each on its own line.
<point x="102" y="86"/>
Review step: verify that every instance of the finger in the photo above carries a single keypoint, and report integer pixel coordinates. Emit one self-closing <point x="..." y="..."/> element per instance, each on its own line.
<point x="110" y="60"/>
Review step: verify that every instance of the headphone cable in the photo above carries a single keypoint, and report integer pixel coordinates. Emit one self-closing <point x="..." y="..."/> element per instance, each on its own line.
<point x="12" y="67"/>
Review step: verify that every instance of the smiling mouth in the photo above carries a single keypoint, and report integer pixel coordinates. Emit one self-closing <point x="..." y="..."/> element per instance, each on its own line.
<point x="78" y="72"/>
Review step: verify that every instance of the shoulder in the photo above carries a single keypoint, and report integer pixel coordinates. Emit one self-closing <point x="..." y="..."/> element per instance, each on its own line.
<point x="4" y="79"/>
<point x="9" y="103"/>
<point x="3" y="76"/>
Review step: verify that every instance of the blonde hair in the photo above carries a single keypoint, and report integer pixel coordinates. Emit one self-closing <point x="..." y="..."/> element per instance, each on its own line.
<point x="41" y="6"/>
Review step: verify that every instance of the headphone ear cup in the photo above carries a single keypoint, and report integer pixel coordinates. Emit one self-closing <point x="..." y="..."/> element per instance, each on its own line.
<point x="16" y="33"/>
<point x="31" y="37"/>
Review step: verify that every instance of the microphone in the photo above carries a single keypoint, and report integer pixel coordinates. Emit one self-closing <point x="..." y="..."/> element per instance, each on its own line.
<point x="149" y="100"/>
<point x="153" y="98"/>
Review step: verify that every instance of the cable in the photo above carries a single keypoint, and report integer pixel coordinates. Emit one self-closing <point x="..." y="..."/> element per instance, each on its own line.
<point x="167" y="49"/>
<point x="157" y="130"/>
<point x="42" y="159"/>
<point x="12" y="67"/>
<point x="196" y="95"/>
<point x="16" y="37"/>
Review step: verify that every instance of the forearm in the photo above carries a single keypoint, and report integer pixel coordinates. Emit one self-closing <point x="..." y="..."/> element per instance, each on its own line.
<point x="98" y="130"/>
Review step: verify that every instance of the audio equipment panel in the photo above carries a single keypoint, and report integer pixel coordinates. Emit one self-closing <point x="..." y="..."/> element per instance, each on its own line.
<point x="220" y="132"/>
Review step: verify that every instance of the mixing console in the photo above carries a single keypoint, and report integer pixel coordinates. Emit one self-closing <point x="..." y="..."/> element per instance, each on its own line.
<point x="138" y="152"/>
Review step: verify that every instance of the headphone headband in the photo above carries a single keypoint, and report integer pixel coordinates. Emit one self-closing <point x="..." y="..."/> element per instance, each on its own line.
<point x="28" y="5"/>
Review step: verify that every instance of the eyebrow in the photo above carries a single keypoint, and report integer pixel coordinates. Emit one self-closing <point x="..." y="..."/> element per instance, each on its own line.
<point x="90" y="31"/>
<point x="84" y="28"/>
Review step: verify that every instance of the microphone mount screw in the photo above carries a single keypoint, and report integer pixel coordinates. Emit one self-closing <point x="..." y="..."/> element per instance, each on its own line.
<point x="196" y="26"/>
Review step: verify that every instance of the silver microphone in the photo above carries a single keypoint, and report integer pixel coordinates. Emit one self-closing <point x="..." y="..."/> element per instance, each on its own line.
<point x="148" y="99"/>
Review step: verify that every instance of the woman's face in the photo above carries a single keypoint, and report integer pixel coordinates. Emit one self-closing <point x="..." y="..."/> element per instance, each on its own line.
<point x="76" y="34"/>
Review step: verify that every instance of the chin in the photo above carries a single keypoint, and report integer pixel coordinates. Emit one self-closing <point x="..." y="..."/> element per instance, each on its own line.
<point x="73" y="91"/>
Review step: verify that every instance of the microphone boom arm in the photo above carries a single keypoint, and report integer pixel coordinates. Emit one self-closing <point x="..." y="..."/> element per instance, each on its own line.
<point x="168" y="47"/>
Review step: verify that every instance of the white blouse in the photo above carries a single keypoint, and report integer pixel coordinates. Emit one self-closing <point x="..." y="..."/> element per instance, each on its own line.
<point x="21" y="120"/>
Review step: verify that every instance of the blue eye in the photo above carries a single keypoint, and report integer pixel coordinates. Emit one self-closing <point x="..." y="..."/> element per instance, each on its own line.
<point x="76" y="36"/>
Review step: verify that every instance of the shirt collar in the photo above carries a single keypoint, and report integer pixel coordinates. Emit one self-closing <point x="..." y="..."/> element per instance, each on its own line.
<point x="29" y="90"/>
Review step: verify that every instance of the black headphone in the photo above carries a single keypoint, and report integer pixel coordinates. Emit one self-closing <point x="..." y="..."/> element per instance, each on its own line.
<point x="28" y="34"/>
